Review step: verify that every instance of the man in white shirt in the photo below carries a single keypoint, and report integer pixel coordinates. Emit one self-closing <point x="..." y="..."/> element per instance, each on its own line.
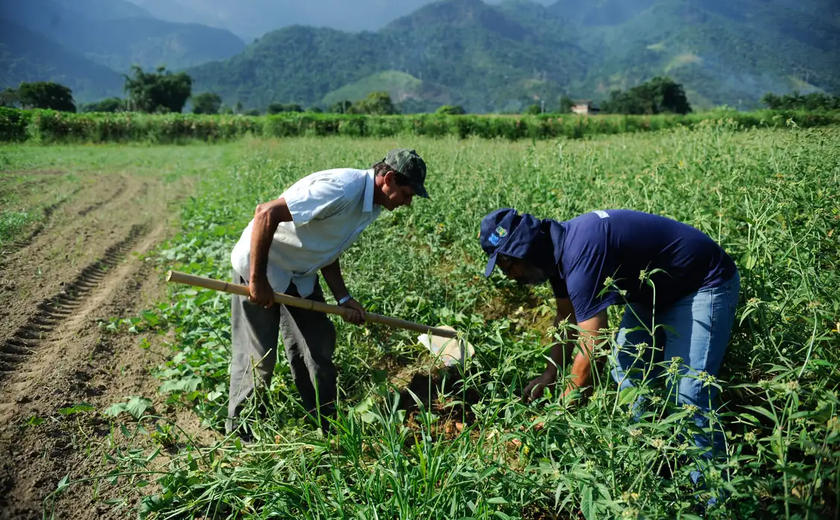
<point x="289" y="240"/>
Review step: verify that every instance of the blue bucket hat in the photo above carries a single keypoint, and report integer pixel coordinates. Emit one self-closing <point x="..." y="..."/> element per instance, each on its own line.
<point x="506" y="232"/>
<point x="496" y="230"/>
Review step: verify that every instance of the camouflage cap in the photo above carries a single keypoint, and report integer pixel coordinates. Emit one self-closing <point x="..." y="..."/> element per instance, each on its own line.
<point x="411" y="166"/>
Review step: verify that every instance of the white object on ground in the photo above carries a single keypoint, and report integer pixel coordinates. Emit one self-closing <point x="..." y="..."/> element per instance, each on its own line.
<point x="450" y="351"/>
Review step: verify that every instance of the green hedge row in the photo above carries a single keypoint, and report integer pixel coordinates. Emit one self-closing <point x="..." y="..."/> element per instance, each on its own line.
<point x="13" y="124"/>
<point x="47" y="126"/>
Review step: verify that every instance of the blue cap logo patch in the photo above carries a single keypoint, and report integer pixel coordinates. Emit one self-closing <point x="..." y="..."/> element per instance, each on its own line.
<point x="497" y="235"/>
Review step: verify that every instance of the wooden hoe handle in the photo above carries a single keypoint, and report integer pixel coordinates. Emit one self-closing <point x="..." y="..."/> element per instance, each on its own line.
<point x="285" y="299"/>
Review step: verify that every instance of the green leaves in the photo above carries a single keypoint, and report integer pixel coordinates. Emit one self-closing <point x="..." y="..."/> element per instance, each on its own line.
<point x="587" y="507"/>
<point x="186" y="384"/>
<point x="78" y="408"/>
<point x="33" y="421"/>
<point x="136" y="407"/>
<point x="63" y="484"/>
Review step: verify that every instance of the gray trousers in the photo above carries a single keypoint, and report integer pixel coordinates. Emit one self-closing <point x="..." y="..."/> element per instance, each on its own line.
<point x="309" y="341"/>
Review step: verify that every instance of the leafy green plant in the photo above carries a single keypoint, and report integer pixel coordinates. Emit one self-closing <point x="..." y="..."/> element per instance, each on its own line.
<point x="135" y="406"/>
<point x="76" y="408"/>
<point x="461" y="444"/>
<point x="12" y="223"/>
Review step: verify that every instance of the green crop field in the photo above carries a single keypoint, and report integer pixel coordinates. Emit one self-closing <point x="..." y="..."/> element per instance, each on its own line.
<point x="771" y="198"/>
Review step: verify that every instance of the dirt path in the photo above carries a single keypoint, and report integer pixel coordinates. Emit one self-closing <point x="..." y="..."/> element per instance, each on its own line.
<point x="70" y="272"/>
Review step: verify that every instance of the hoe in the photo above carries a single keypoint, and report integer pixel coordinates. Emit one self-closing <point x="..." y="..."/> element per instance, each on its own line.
<point x="442" y="342"/>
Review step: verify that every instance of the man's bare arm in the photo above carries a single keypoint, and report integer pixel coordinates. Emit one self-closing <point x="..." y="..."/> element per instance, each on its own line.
<point x="590" y="336"/>
<point x="267" y="217"/>
<point x="335" y="280"/>
<point x="561" y="353"/>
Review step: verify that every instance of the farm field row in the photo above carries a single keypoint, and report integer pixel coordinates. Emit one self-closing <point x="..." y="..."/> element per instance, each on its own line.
<point x="769" y="197"/>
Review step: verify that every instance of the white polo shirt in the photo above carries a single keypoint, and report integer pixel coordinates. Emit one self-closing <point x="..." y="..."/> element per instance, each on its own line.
<point x="329" y="210"/>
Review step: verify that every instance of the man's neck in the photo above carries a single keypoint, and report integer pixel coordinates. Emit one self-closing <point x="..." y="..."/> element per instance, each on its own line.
<point x="378" y="195"/>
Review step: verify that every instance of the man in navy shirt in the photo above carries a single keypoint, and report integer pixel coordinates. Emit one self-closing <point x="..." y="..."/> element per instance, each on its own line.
<point x="678" y="286"/>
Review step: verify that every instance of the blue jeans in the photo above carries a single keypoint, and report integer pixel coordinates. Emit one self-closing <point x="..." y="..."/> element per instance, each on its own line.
<point x="696" y="329"/>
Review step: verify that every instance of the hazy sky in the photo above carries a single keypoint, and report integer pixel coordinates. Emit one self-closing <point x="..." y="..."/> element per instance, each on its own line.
<point x="250" y="18"/>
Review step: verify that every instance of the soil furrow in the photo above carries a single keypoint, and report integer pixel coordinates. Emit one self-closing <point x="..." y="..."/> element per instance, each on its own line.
<point x="73" y="295"/>
<point x="55" y="290"/>
<point x="40" y="269"/>
<point x="101" y="203"/>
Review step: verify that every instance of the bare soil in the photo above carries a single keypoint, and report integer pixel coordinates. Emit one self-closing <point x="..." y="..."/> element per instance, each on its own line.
<point x="79" y="267"/>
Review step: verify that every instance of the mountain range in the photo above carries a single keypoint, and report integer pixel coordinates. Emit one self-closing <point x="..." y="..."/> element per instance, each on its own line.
<point x="88" y="44"/>
<point x="253" y="18"/>
<point x="504" y="57"/>
<point x="483" y="57"/>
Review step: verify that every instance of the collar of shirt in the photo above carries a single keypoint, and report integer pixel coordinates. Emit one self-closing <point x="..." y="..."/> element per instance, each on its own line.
<point x="367" y="205"/>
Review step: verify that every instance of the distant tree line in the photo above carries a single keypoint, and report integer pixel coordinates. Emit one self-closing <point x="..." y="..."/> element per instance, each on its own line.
<point x="814" y="102"/>
<point x="451" y="110"/>
<point x="157" y="92"/>
<point x="162" y="91"/>
<point x="661" y="95"/>
<point x="111" y="104"/>
<point x="151" y="92"/>
<point x="376" y="104"/>
<point x="41" y="94"/>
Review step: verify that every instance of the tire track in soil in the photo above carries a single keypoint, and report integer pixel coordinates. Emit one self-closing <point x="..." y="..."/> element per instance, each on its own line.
<point x="51" y="355"/>
<point x="15" y="247"/>
<point x="99" y="204"/>
<point x="53" y="311"/>
<point x="108" y="209"/>
<point x="55" y="355"/>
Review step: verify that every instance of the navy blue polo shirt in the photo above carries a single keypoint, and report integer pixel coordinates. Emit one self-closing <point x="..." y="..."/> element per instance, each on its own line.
<point x="621" y="244"/>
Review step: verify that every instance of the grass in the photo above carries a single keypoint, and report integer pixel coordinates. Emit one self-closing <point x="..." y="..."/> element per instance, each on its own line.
<point x="12" y="223"/>
<point x="26" y="202"/>
<point x="473" y="451"/>
<point x="37" y="180"/>
<point x="16" y="216"/>
<point x="136" y="158"/>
